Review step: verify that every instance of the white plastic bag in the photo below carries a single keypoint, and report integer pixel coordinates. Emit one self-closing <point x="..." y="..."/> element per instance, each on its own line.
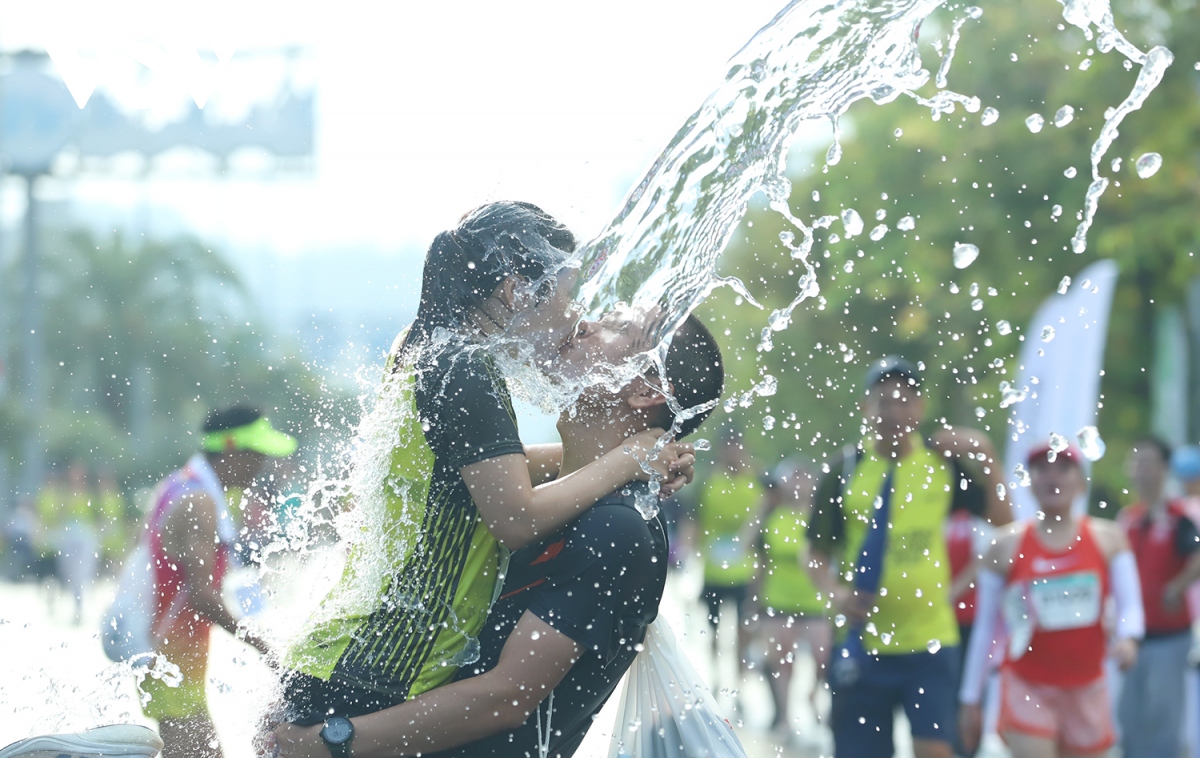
<point x="666" y="711"/>
<point x="125" y="630"/>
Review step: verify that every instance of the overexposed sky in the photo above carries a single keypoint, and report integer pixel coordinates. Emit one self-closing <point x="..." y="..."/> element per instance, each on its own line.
<point x="424" y="110"/>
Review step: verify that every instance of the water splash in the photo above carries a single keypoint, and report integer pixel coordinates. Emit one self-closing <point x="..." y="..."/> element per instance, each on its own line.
<point x="1083" y="14"/>
<point x="809" y="64"/>
<point x="973" y="12"/>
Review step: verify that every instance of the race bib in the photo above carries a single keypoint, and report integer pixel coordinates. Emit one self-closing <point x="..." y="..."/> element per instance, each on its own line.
<point x="1072" y="601"/>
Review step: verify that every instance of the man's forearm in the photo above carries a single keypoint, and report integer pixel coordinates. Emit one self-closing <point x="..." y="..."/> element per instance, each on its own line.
<point x="444" y="718"/>
<point x="1188" y="574"/>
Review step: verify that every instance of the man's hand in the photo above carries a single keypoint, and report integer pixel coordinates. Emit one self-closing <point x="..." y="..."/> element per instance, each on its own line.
<point x="854" y="605"/>
<point x="293" y="741"/>
<point x="1125" y="652"/>
<point x="970" y="725"/>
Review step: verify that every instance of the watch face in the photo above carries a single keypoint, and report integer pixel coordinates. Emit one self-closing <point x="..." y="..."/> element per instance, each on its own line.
<point x="337" y="730"/>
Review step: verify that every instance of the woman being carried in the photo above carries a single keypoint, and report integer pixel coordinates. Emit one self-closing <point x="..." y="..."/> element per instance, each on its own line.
<point x="445" y="488"/>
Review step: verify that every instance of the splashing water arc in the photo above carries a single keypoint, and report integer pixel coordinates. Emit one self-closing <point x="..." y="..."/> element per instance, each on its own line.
<point x="812" y="62"/>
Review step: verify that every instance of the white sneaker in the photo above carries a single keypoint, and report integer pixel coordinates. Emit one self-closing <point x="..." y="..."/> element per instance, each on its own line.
<point x="115" y="741"/>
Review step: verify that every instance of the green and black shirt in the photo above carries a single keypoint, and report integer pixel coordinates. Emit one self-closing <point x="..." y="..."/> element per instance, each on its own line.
<point x="422" y="571"/>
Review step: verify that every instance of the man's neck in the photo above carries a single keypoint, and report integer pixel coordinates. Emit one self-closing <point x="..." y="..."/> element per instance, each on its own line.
<point x="894" y="447"/>
<point x="593" y="432"/>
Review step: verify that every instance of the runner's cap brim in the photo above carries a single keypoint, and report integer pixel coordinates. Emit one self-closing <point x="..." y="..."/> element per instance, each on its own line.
<point x="258" y="436"/>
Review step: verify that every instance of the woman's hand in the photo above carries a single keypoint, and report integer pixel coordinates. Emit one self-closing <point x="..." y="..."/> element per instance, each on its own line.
<point x="674" y="464"/>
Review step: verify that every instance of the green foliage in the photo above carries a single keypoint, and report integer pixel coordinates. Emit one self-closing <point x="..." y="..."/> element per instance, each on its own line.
<point x="994" y="186"/>
<point x="142" y="340"/>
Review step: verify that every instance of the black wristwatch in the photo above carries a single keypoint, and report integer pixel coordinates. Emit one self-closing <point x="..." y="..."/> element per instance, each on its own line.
<point x="336" y="734"/>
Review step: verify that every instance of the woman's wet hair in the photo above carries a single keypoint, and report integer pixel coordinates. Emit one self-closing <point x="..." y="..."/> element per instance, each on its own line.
<point x="465" y="264"/>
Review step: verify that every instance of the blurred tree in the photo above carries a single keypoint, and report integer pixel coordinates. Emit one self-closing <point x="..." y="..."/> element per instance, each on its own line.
<point x="143" y="339"/>
<point x="998" y="187"/>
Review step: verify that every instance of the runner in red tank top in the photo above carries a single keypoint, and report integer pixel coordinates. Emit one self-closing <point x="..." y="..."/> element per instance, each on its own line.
<point x="190" y="535"/>
<point x="1050" y="578"/>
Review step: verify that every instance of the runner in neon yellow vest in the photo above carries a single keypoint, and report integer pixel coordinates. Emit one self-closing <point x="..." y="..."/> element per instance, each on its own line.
<point x="728" y="516"/>
<point x="879" y="514"/>
<point x="791" y="613"/>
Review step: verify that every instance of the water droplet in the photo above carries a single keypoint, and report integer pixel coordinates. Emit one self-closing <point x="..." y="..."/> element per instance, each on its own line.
<point x="1021" y="474"/>
<point x="1058" y="443"/>
<point x="906" y="224"/>
<point x="852" y="222"/>
<point x="976" y="304"/>
<point x="1085" y="64"/>
<point x="899" y="132"/>
<point x="768" y="423"/>
<point x="1090" y="443"/>
<point x="880" y="214"/>
<point x="839" y="620"/>
<point x="933" y="646"/>
<point x="964" y="254"/>
<point x="953" y="288"/>
<point x="980" y="413"/>
<point x="974" y="12"/>
<point x="878" y="232"/>
<point x="1055" y="211"/>
<point x="989" y="117"/>
<point x="816" y="196"/>
<point x="1003" y="327"/>
<point x="1064" y="285"/>
<point x="834" y="155"/>
<point x="1010" y="395"/>
<point x="848" y="267"/>
<point x="1065" y="115"/>
<point x="886" y="638"/>
<point x="1070" y="172"/>
<point x="974" y="289"/>
<point x="1047" y="333"/>
<point x="1116" y="165"/>
<point x="833" y="239"/>
<point x="1148" y="165"/>
<point x="1035" y="122"/>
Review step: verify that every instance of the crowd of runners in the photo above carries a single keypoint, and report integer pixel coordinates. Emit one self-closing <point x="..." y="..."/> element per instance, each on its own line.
<point x="495" y="593"/>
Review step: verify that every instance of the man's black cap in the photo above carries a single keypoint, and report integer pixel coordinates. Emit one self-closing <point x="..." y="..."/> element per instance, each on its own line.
<point x="893" y="366"/>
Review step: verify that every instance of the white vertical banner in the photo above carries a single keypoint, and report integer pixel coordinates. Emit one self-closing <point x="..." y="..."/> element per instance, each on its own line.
<point x="1059" y="371"/>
